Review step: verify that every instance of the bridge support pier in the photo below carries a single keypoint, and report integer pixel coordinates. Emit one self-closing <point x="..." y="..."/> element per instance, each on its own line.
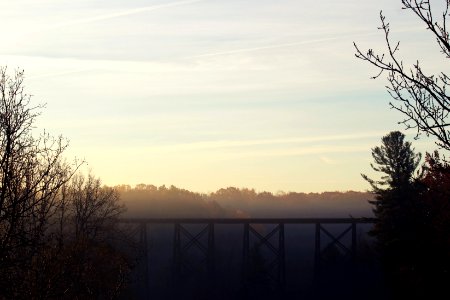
<point x="335" y="241"/>
<point x="275" y="269"/>
<point x="143" y="242"/>
<point x="184" y="240"/>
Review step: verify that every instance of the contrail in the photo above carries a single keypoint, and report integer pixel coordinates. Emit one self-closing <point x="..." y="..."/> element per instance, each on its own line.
<point x="293" y="44"/>
<point x="264" y="47"/>
<point x="121" y="14"/>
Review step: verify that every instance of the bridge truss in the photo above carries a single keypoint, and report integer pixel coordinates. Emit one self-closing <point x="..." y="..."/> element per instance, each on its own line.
<point x="186" y="239"/>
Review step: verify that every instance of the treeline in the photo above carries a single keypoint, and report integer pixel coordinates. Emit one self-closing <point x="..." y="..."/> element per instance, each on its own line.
<point x="162" y="202"/>
<point x="145" y="200"/>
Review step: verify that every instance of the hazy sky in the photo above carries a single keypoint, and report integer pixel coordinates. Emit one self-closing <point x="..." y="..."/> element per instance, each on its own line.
<point x="205" y="94"/>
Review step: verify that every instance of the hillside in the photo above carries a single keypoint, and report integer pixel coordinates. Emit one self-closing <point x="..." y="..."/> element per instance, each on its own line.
<point x="163" y="202"/>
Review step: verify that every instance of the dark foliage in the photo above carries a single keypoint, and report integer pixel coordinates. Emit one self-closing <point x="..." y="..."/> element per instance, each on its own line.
<point x="433" y="267"/>
<point x="413" y="219"/>
<point x="397" y="207"/>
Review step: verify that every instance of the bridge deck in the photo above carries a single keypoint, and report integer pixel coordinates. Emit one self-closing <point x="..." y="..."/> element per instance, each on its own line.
<point x="247" y="220"/>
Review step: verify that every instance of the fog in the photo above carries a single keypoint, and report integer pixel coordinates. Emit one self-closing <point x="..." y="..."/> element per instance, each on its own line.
<point x="202" y="272"/>
<point x="172" y="202"/>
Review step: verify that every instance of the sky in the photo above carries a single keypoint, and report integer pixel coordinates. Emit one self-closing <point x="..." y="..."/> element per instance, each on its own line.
<point x="205" y="94"/>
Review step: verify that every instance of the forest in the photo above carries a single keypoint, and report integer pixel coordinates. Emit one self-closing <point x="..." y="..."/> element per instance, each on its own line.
<point x="172" y="202"/>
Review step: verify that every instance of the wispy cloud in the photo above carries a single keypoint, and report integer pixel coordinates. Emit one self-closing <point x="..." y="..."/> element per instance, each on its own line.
<point x="307" y="150"/>
<point x="298" y="43"/>
<point x="260" y="142"/>
<point x="123" y="13"/>
<point x="327" y="160"/>
<point x="170" y="154"/>
<point x="264" y="47"/>
<point x="57" y="74"/>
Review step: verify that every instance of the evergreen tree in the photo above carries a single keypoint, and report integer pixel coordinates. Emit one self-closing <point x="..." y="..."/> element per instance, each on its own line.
<point x="397" y="208"/>
<point x="398" y="161"/>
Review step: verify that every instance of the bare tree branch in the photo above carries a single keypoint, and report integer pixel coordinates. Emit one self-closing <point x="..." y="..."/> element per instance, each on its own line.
<point x="421" y="98"/>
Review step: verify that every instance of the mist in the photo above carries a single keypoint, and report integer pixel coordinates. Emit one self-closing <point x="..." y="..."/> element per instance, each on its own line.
<point x="145" y="200"/>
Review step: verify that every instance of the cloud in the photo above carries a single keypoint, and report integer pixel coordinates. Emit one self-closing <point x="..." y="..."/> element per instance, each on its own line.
<point x="264" y="47"/>
<point x="327" y="160"/>
<point x="58" y="74"/>
<point x="299" y="43"/>
<point x="119" y="14"/>
<point x="261" y="142"/>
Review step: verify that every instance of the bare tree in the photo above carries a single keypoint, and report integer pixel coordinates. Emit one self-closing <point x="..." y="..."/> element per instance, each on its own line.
<point x="422" y="98"/>
<point x="94" y="208"/>
<point x="90" y="264"/>
<point x="32" y="171"/>
<point x="56" y="229"/>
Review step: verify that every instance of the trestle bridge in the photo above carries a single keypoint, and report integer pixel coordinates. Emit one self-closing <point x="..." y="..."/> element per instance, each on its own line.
<point x="199" y="234"/>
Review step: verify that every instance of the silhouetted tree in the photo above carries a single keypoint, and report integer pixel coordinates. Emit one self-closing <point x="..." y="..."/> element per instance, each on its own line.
<point x="55" y="229"/>
<point x="434" y="264"/>
<point x="397" y="208"/>
<point x="85" y="246"/>
<point x="422" y="98"/>
<point x="396" y="159"/>
<point x="32" y="171"/>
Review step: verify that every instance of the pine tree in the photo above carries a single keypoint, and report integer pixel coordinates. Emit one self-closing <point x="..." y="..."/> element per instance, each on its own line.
<point x="396" y="159"/>
<point x="397" y="208"/>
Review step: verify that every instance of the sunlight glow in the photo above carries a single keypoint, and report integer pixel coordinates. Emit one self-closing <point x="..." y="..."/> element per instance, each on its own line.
<point x="206" y="94"/>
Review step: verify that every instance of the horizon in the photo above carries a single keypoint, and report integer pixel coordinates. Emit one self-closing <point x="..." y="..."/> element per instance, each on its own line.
<point x="274" y="193"/>
<point x="206" y="94"/>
